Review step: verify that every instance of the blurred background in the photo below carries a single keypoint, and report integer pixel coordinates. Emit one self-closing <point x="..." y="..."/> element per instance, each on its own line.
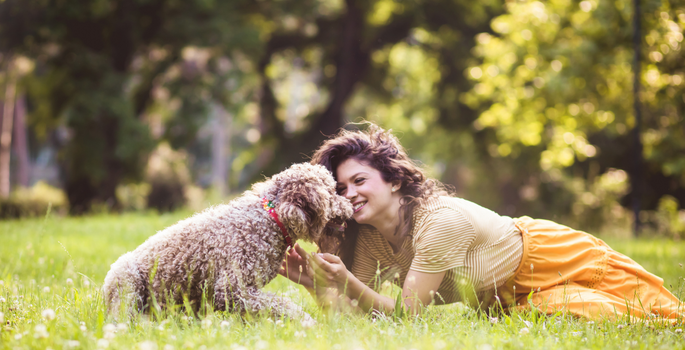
<point x="525" y="107"/>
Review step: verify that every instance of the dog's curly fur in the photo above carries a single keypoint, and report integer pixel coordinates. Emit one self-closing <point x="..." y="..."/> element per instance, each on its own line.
<point x="231" y="250"/>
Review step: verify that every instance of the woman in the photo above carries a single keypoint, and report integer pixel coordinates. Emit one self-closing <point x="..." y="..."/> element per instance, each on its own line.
<point x="444" y="249"/>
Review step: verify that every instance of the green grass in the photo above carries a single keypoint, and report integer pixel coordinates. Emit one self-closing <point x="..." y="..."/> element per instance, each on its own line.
<point x="60" y="263"/>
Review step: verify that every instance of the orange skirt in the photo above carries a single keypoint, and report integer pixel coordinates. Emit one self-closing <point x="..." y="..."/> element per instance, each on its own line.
<point x="574" y="272"/>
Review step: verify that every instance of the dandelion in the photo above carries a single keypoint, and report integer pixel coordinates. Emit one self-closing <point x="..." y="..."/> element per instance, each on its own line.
<point x="524" y="330"/>
<point x="122" y="327"/>
<point x="2" y="300"/>
<point x="86" y="283"/>
<point x="73" y="343"/>
<point x="261" y="344"/>
<point x="17" y="336"/>
<point x="397" y="275"/>
<point x="49" y="314"/>
<point x="41" y="331"/>
<point x="70" y="282"/>
<point x="378" y="272"/>
<point x="46" y="289"/>
<point x="83" y="326"/>
<point x="102" y="344"/>
<point x="168" y="347"/>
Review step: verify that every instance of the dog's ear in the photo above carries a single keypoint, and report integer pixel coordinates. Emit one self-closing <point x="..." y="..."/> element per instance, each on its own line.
<point x="294" y="218"/>
<point x="297" y="209"/>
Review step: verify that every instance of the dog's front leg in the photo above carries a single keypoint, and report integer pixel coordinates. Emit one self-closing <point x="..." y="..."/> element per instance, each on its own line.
<point x="254" y="300"/>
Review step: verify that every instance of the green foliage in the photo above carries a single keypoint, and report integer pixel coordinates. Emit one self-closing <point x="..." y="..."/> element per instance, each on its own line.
<point x="52" y="270"/>
<point x="39" y="200"/>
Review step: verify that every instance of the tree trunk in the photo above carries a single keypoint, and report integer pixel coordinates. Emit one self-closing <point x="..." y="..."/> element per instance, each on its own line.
<point x="20" y="143"/>
<point x="6" y="134"/>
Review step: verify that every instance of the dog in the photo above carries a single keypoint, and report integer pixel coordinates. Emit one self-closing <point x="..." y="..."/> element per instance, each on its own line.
<point x="230" y="251"/>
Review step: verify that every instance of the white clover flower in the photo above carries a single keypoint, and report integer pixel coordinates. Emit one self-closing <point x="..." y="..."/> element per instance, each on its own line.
<point x="46" y="289"/>
<point x="147" y="345"/>
<point x="168" y="347"/>
<point x="108" y="331"/>
<point x="2" y="283"/>
<point x="524" y="330"/>
<point x="2" y="317"/>
<point x="2" y="300"/>
<point x="679" y="330"/>
<point x="86" y="283"/>
<point x="49" y="314"/>
<point x="299" y="334"/>
<point x="122" y="327"/>
<point x="261" y="344"/>
<point x="102" y="344"/>
<point x="40" y="331"/>
<point x="82" y="326"/>
<point x="73" y="343"/>
<point x="70" y="282"/>
<point x="494" y="320"/>
<point x="17" y="336"/>
<point x="620" y="326"/>
<point x="226" y="324"/>
<point x="206" y="323"/>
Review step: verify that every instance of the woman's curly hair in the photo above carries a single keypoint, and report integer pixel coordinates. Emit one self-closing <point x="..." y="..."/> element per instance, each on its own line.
<point x="381" y="150"/>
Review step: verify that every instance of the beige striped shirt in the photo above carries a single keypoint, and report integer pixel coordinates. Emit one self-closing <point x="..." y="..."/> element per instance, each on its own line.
<point x="478" y="249"/>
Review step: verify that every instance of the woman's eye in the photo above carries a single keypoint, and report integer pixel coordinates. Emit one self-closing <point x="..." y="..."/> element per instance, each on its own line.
<point x="359" y="180"/>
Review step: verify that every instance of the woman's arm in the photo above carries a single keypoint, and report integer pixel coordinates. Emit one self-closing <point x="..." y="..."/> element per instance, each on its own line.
<point x="418" y="290"/>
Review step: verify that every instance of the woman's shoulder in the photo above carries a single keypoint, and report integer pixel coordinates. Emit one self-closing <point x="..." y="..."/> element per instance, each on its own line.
<point x="433" y="205"/>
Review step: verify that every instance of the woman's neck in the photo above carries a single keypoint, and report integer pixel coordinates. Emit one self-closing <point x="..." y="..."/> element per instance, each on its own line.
<point x="387" y="224"/>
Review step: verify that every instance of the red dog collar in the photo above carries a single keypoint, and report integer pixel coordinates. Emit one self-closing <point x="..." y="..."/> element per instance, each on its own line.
<point x="270" y="208"/>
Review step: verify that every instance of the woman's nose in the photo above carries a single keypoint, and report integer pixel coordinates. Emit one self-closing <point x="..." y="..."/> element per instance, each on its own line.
<point x="350" y="193"/>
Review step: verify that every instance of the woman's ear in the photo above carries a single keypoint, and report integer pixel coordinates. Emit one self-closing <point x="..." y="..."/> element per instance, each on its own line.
<point x="396" y="185"/>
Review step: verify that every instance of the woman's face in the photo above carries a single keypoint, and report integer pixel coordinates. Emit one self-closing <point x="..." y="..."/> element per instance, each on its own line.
<point x="372" y="198"/>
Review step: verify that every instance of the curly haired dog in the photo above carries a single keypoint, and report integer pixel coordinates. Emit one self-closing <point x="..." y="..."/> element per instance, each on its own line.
<point x="232" y="250"/>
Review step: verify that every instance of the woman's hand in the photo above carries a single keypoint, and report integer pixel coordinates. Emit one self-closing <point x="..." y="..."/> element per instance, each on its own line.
<point x="328" y="270"/>
<point x="294" y="267"/>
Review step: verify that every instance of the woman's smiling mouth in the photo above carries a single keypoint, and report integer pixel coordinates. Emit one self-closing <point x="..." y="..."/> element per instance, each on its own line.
<point x="359" y="206"/>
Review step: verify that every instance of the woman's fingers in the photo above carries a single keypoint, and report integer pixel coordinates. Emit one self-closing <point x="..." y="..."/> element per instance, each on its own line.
<point x="331" y="258"/>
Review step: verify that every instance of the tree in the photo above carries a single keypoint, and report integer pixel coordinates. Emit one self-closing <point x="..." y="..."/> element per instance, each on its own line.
<point x="557" y="77"/>
<point x="89" y="55"/>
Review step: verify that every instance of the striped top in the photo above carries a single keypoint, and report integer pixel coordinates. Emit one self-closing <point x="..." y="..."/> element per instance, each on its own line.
<point x="478" y="249"/>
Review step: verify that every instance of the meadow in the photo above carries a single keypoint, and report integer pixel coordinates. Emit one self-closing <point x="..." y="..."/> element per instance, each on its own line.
<point x="52" y="269"/>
